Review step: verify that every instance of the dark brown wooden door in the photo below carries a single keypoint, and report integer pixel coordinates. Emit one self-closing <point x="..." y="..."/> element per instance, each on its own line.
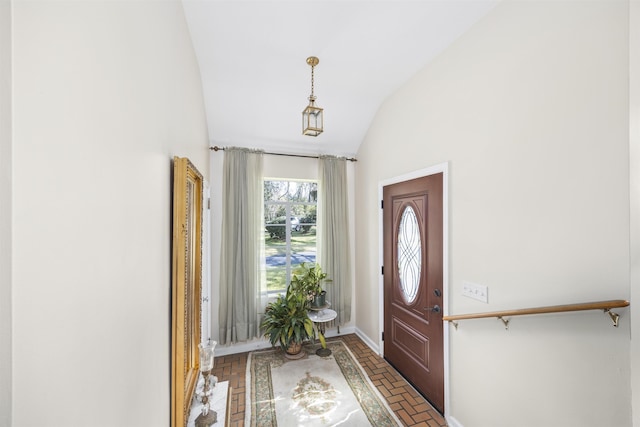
<point x="413" y="254"/>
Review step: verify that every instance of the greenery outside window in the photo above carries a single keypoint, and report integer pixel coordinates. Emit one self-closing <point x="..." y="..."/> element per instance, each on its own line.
<point x="290" y="229"/>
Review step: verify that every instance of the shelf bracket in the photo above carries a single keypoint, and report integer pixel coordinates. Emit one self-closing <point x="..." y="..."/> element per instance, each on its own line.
<point x="614" y="316"/>
<point x="455" y="324"/>
<point x="505" y="321"/>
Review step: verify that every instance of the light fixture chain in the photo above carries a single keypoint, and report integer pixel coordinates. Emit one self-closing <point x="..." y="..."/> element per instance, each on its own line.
<point x="312" y="67"/>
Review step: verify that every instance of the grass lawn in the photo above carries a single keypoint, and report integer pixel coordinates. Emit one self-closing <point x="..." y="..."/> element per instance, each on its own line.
<point x="300" y="242"/>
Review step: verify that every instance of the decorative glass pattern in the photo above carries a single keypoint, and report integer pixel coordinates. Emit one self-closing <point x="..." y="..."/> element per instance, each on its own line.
<point x="409" y="254"/>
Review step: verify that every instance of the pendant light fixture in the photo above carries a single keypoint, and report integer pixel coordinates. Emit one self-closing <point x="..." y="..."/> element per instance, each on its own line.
<point x="312" y="120"/>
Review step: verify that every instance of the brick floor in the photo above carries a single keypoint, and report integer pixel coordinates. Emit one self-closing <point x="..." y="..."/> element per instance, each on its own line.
<point x="409" y="406"/>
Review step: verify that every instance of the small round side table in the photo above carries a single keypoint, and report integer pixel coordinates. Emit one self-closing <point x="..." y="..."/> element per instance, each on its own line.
<point x="320" y="316"/>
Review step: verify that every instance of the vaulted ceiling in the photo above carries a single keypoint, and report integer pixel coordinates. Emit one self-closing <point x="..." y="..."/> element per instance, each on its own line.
<point x="252" y="57"/>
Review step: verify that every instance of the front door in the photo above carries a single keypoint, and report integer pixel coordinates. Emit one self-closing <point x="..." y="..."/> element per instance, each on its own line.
<point x="413" y="280"/>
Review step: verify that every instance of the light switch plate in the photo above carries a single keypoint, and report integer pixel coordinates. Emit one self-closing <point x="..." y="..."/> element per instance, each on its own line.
<point x="475" y="291"/>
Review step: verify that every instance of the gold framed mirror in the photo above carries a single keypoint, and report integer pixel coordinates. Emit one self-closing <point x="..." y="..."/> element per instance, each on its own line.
<point x="186" y="287"/>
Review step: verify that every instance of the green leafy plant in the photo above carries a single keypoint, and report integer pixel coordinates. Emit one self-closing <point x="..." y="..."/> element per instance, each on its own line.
<point x="286" y="320"/>
<point x="307" y="280"/>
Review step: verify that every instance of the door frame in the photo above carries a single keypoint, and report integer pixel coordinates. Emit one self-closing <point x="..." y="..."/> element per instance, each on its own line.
<point x="431" y="170"/>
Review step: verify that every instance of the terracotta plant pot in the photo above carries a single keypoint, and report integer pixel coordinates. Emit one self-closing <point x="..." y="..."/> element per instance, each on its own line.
<point x="294" y="351"/>
<point x="294" y="348"/>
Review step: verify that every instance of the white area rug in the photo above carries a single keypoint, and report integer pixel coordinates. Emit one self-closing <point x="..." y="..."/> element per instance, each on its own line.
<point x="312" y="391"/>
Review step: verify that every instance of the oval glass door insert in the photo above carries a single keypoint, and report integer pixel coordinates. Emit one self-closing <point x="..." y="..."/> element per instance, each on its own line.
<point x="409" y="254"/>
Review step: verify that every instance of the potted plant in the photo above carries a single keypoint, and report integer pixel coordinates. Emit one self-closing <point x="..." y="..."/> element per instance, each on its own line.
<point x="287" y="324"/>
<point x="307" y="279"/>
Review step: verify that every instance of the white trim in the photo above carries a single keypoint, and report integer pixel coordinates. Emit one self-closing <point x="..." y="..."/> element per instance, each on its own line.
<point x="258" y="344"/>
<point x="205" y="316"/>
<point x="452" y="422"/>
<point x="367" y="340"/>
<point x="432" y="170"/>
<point x="261" y="344"/>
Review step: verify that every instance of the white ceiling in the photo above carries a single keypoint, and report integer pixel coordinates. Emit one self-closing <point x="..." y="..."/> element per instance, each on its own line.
<point x="256" y="81"/>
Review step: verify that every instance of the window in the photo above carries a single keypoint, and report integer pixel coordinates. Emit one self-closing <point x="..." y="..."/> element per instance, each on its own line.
<point x="290" y="229"/>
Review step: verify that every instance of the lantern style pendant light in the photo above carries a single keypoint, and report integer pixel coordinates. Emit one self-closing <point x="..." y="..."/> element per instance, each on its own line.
<point x="312" y="121"/>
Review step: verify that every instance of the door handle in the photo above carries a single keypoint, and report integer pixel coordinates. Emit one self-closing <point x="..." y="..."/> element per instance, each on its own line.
<point x="434" y="309"/>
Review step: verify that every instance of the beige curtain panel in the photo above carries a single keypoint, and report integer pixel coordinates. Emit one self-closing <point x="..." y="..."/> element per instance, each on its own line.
<point x="333" y="224"/>
<point x="242" y="292"/>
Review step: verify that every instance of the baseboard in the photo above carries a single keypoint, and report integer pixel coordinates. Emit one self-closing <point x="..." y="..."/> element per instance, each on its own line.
<point x="258" y="344"/>
<point x="261" y="344"/>
<point x="343" y="331"/>
<point x="452" y="422"/>
<point x="368" y="341"/>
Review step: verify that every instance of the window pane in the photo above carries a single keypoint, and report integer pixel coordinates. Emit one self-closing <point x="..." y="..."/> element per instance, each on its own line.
<point x="409" y="254"/>
<point x="303" y="247"/>
<point x="290" y="224"/>
<point x="290" y="191"/>
<point x="276" y="257"/>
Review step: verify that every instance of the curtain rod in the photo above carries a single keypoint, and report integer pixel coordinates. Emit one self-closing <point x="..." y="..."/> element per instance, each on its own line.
<point x="351" y="159"/>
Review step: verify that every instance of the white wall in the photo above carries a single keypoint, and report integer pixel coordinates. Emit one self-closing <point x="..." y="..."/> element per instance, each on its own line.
<point x="5" y="213"/>
<point x="281" y="167"/>
<point x="105" y="94"/>
<point x="530" y="109"/>
<point x="634" y="163"/>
